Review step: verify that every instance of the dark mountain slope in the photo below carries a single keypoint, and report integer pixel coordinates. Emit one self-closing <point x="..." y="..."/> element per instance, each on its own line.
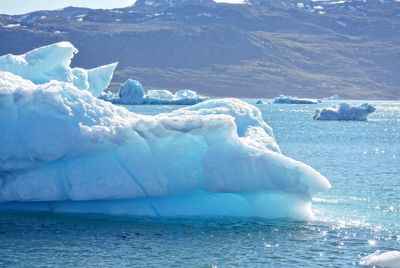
<point x="259" y="49"/>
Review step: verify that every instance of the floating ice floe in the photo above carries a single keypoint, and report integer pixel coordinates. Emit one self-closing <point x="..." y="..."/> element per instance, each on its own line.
<point x="132" y="93"/>
<point x="64" y="150"/>
<point x="181" y="97"/>
<point x="12" y="25"/>
<point x="282" y="99"/>
<point x="53" y="62"/>
<point x="345" y="111"/>
<point x="390" y="259"/>
<point x="333" y="97"/>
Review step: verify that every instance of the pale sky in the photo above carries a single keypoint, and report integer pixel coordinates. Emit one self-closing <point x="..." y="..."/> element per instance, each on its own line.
<point x="13" y="7"/>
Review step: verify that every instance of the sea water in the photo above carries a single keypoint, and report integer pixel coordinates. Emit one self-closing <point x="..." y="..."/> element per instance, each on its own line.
<point x="360" y="214"/>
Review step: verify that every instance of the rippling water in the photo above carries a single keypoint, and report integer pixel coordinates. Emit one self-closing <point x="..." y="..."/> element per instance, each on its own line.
<point x="360" y="214"/>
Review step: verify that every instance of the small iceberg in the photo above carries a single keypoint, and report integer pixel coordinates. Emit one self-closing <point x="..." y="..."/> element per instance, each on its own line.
<point x="345" y="111"/>
<point x="282" y="99"/>
<point x="390" y="259"/>
<point x="132" y="93"/>
<point x="334" y="97"/>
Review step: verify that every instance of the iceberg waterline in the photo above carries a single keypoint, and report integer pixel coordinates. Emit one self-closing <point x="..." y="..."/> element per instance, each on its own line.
<point x="64" y="150"/>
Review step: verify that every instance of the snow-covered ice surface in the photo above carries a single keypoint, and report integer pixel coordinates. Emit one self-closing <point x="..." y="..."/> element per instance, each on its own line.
<point x="390" y="259"/>
<point x="345" y="111"/>
<point x="53" y="62"/>
<point x="282" y="99"/>
<point x="160" y="94"/>
<point x="132" y="93"/>
<point x="65" y="150"/>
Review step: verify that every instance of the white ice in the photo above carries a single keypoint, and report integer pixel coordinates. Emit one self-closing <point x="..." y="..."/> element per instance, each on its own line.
<point x="333" y="97"/>
<point x="282" y="99"/>
<point x="53" y="62"/>
<point x="160" y="94"/>
<point x="64" y="150"/>
<point x="345" y="111"/>
<point x="390" y="259"/>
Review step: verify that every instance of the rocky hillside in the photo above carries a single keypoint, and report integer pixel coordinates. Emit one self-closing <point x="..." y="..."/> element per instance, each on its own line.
<point x="258" y="49"/>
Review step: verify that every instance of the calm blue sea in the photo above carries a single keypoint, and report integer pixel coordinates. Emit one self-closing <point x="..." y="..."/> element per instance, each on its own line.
<point x="360" y="214"/>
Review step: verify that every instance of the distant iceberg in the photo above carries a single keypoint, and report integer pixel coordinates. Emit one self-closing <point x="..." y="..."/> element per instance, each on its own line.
<point x="181" y="97"/>
<point x="160" y="95"/>
<point x="282" y="99"/>
<point x="132" y="93"/>
<point x="333" y="97"/>
<point x="345" y="111"/>
<point x="390" y="259"/>
<point x="64" y="150"/>
<point x="52" y="62"/>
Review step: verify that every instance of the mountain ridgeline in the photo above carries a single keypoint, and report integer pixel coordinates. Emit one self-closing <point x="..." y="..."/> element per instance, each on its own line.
<point x="256" y="49"/>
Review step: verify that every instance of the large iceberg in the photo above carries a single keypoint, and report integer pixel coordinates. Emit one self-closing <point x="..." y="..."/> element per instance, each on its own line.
<point x="61" y="144"/>
<point x="282" y="99"/>
<point x="132" y="93"/>
<point x="64" y="150"/>
<point x="345" y="111"/>
<point x="390" y="259"/>
<point x="53" y="62"/>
